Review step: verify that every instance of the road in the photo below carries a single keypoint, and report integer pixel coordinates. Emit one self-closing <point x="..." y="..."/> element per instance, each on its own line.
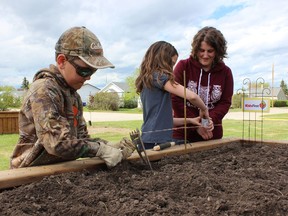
<point x="116" y="116"/>
<point x="111" y="116"/>
<point x="254" y="115"/>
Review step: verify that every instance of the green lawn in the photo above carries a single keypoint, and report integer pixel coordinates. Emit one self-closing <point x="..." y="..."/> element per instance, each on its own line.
<point x="7" y="143"/>
<point x="273" y="127"/>
<point x="268" y="129"/>
<point x="118" y="129"/>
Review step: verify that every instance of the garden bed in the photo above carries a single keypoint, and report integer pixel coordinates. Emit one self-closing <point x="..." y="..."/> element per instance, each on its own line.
<point x="234" y="179"/>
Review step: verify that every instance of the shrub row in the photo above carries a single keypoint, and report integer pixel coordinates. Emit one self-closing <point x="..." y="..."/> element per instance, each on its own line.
<point x="280" y="103"/>
<point x="110" y="101"/>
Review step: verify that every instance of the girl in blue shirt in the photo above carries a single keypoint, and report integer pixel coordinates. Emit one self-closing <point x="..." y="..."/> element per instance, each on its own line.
<point x="155" y="84"/>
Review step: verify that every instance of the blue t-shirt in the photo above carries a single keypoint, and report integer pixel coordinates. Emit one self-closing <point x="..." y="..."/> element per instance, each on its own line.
<point x="157" y="112"/>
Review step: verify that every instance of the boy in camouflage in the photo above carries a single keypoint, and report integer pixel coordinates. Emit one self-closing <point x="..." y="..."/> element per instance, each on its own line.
<point x="51" y="123"/>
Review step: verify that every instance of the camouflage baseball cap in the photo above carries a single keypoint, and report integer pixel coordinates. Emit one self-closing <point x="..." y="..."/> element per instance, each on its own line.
<point x="81" y="42"/>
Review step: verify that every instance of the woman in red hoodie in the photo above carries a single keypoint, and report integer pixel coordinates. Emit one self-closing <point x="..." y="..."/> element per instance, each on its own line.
<point x="207" y="75"/>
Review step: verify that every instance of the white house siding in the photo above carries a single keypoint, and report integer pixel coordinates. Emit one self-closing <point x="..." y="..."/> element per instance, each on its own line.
<point x="117" y="87"/>
<point x="86" y="90"/>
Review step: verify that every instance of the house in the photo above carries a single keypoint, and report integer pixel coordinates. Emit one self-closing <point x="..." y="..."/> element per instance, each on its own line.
<point x="18" y="93"/>
<point x="85" y="91"/>
<point x="118" y="87"/>
<point x="276" y="93"/>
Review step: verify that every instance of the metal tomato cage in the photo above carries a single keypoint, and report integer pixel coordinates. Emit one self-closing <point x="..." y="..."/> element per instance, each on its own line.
<point x="253" y="122"/>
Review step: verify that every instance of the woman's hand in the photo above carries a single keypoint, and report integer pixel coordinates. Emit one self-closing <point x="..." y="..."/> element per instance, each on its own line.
<point x="206" y="132"/>
<point x="204" y="113"/>
<point x="210" y="125"/>
<point x="195" y="121"/>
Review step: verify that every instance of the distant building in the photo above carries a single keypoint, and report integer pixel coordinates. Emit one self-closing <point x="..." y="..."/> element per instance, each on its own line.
<point x="118" y="87"/>
<point x="276" y="93"/>
<point x="86" y="90"/>
<point x="18" y="93"/>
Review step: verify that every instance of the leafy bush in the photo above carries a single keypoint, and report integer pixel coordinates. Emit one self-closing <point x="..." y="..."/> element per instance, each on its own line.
<point x="130" y="104"/>
<point x="7" y="100"/>
<point x="280" y="103"/>
<point x="105" y="101"/>
<point x="237" y="101"/>
<point x="130" y="101"/>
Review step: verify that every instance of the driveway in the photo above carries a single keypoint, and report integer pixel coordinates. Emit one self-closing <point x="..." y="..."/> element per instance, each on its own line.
<point x="254" y="115"/>
<point x="116" y="116"/>
<point x="111" y="116"/>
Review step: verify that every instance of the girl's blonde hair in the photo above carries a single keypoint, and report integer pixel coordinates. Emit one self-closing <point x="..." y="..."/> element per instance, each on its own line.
<point x="158" y="58"/>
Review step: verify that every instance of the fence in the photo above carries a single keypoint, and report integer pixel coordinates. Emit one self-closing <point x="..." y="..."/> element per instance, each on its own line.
<point x="9" y="122"/>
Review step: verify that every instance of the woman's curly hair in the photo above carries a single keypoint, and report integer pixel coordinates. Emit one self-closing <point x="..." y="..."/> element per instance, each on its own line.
<point x="214" y="38"/>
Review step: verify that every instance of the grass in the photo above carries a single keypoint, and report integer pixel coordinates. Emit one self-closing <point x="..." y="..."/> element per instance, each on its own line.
<point x="282" y="116"/>
<point x="273" y="127"/>
<point x="117" y="132"/>
<point x="268" y="129"/>
<point x="7" y="143"/>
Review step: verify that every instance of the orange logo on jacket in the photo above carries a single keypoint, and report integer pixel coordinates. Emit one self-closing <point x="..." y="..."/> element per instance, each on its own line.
<point x="75" y="113"/>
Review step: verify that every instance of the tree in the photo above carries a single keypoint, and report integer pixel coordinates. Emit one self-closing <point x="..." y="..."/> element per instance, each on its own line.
<point x="131" y="97"/>
<point x="6" y="88"/>
<point x="283" y="85"/>
<point x="237" y="101"/>
<point x="7" y="100"/>
<point x="25" y="84"/>
<point x="130" y="80"/>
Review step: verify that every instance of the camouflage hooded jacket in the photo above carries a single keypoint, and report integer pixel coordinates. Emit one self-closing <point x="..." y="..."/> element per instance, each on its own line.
<point x="51" y="123"/>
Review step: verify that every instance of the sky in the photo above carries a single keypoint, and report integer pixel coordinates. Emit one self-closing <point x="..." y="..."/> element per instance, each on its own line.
<point x="256" y="32"/>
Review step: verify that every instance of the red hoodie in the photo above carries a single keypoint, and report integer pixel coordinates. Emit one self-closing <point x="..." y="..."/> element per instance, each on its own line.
<point x="219" y="81"/>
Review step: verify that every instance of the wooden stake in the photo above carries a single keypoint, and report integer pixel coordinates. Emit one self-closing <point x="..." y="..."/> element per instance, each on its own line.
<point x="185" y="111"/>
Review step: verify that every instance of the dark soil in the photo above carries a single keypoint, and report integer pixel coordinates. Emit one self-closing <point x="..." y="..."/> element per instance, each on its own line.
<point x="232" y="180"/>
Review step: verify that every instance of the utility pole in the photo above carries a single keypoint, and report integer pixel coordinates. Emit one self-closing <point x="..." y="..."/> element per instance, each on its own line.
<point x="272" y="85"/>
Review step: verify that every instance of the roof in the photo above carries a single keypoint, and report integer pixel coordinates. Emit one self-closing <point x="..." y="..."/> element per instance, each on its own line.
<point x="266" y="91"/>
<point x="120" y="87"/>
<point x="87" y="84"/>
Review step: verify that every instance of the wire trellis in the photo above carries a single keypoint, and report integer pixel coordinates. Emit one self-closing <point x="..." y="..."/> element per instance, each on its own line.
<point x="246" y="92"/>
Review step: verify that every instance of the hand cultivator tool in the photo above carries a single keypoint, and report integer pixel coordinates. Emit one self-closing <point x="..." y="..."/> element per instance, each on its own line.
<point x="136" y="139"/>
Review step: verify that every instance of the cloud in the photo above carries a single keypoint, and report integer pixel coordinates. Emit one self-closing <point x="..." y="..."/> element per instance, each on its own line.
<point x="255" y="30"/>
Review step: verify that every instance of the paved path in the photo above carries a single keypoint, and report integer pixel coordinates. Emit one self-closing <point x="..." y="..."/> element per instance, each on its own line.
<point x="254" y="115"/>
<point x="116" y="116"/>
<point x="111" y="116"/>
